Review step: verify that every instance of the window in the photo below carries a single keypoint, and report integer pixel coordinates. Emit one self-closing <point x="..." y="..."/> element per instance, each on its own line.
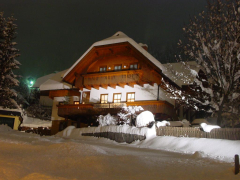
<point x="117" y="67"/>
<point x="61" y="103"/>
<point x="117" y="97"/>
<point x="76" y="102"/>
<point x="133" y="66"/>
<point x="104" y="98"/>
<point x="130" y="97"/>
<point x="103" y="69"/>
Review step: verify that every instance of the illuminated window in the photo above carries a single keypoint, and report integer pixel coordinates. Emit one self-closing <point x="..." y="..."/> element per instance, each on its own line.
<point x="104" y="98"/>
<point x="130" y="97"/>
<point x="133" y="66"/>
<point x="117" y="67"/>
<point x="103" y="69"/>
<point x="61" y="103"/>
<point x="76" y="102"/>
<point x="117" y="97"/>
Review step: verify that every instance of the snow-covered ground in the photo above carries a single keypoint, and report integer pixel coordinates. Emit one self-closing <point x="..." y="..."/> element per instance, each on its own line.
<point x="30" y="156"/>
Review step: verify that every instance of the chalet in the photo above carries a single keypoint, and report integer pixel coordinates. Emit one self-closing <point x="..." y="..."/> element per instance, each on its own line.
<point x="112" y="73"/>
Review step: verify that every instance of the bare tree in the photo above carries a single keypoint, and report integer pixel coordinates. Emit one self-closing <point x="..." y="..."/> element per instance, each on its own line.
<point x="213" y="40"/>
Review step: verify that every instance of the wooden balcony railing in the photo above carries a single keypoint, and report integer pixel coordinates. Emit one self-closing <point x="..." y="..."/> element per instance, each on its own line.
<point x="119" y="78"/>
<point x="74" y="111"/>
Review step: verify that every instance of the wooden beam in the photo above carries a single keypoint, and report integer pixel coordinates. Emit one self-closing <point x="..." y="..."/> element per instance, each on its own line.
<point x="104" y="86"/>
<point x="151" y="83"/>
<point x="131" y="84"/>
<point x="121" y="85"/>
<point x="88" y="87"/>
<point x="96" y="87"/>
<point x="113" y="86"/>
<point x="63" y="92"/>
<point x="141" y="83"/>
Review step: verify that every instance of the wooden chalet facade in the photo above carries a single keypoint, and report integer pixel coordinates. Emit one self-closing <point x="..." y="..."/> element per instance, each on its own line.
<point x="112" y="73"/>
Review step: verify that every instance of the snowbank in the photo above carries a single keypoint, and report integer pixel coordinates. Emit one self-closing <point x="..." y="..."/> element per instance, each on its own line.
<point x="214" y="148"/>
<point x="224" y="150"/>
<point x="5" y="128"/>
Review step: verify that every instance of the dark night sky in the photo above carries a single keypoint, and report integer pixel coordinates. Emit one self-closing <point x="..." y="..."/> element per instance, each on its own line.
<point x="53" y="34"/>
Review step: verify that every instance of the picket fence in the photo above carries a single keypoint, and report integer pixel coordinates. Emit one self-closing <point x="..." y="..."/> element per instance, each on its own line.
<point x="222" y="133"/>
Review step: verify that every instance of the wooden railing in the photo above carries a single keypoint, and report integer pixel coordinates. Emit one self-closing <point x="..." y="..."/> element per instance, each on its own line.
<point x="119" y="78"/>
<point x="69" y="110"/>
<point x="221" y="133"/>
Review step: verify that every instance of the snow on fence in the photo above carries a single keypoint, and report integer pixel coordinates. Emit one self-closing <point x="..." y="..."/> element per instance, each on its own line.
<point x="118" y="137"/>
<point x="122" y="133"/>
<point x="222" y="133"/>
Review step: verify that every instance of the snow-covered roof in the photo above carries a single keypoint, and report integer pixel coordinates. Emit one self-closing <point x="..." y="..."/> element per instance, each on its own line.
<point x="120" y="37"/>
<point x="42" y="79"/>
<point x="15" y="112"/>
<point x="55" y="82"/>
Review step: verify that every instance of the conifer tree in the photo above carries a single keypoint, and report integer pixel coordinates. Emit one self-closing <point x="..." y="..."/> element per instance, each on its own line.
<point x="8" y="63"/>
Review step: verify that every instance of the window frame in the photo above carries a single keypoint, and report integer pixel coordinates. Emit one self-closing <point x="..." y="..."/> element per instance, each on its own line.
<point x="117" y="65"/>
<point x="103" y="101"/>
<point x="61" y="103"/>
<point x="117" y="99"/>
<point x="134" y="64"/>
<point x="103" y="67"/>
<point x="131" y="99"/>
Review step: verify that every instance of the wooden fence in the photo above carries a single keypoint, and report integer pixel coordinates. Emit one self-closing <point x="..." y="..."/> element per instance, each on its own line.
<point x="222" y="133"/>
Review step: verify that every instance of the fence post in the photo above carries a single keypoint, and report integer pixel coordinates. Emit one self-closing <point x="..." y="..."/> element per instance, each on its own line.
<point x="236" y="164"/>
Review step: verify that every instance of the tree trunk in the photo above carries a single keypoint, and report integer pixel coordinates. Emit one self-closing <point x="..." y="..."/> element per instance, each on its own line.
<point x="219" y="117"/>
<point x="220" y="111"/>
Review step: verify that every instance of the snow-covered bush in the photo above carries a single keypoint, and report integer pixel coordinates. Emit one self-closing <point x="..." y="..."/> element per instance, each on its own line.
<point x="208" y="128"/>
<point x="162" y="123"/>
<point x="128" y="114"/>
<point x="107" y="120"/>
<point x="145" y="119"/>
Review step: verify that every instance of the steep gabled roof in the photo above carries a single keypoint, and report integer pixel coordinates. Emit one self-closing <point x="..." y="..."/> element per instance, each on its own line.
<point x="119" y="37"/>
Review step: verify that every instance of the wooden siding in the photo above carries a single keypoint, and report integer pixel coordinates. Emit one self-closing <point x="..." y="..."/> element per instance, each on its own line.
<point x="86" y="73"/>
<point x="62" y="93"/>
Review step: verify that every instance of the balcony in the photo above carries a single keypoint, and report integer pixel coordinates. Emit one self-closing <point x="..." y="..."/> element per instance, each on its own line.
<point x="74" y="111"/>
<point x="113" y="79"/>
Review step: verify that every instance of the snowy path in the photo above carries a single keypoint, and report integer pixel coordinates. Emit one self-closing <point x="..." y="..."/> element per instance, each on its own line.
<point x="27" y="156"/>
